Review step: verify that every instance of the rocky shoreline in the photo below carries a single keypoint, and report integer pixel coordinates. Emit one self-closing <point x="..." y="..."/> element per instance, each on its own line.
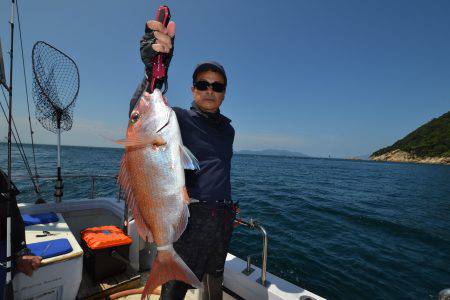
<point x="402" y="156"/>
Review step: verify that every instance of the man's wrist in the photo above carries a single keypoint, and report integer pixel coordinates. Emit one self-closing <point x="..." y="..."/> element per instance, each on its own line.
<point x="22" y="252"/>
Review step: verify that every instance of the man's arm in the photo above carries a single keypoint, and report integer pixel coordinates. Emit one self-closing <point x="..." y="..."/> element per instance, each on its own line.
<point x="28" y="264"/>
<point x="22" y="260"/>
<point x="157" y="39"/>
<point x="25" y="262"/>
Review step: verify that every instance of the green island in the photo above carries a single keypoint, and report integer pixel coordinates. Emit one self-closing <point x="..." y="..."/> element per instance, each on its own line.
<point x="430" y="143"/>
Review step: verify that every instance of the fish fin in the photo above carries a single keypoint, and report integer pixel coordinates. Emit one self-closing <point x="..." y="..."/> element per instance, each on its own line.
<point x="107" y="136"/>
<point x="180" y="227"/>
<point x="185" y="194"/>
<point x="188" y="159"/>
<point x="167" y="266"/>
<point x="125" y="184"/>
<point x="165" y="120"/>
<point x="156" y="141"/>
<point x="135" y="142"/>
<point x="141" y="226"/>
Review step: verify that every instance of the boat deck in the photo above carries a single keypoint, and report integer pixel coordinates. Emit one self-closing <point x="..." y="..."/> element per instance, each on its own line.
<point x="69" y="277"/>
<point x="191" y="295"/>
<point x="125" y="281"/>
<point x="100" y="290"/>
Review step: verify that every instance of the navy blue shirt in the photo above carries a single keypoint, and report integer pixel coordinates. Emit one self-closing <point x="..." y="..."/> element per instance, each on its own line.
<point x="211" y="142"/>
<point x="210" y="138"/>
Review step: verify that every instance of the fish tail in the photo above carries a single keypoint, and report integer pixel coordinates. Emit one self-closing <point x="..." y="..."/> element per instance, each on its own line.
<point x="167" y="266"/>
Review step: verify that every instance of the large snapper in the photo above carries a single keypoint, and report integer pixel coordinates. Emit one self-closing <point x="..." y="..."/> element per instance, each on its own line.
<point x="152" y="176"/>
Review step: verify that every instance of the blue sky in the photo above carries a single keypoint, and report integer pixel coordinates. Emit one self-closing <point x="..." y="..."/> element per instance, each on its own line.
<point x="337" y="78"/>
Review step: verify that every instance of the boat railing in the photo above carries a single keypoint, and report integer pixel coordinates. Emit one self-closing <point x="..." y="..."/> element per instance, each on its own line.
<point x="93" y="179"/>
<point x="253" y="224"/>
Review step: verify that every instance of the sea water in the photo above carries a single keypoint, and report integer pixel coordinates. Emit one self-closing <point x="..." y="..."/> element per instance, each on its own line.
<point x="342" y="229"/>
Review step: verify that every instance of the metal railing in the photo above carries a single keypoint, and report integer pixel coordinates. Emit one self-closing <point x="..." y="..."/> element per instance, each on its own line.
<point x="92" y="178"/>
<point x="253" y="224"/>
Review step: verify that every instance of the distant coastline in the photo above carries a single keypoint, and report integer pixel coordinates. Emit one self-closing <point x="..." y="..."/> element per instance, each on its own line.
<point x="429" y="144"/>
<point x="402" y="156"/>
<point x="265" y="152"/>
<point x="272" y="152"/>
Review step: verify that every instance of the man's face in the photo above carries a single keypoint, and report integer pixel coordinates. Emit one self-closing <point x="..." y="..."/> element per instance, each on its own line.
<point x="208" y="100"/>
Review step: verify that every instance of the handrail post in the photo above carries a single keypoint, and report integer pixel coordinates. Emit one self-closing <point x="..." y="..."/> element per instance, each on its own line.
<point x="248" y="269"/>
<point x="264" y="255"/>
<point x="254" y="224"/>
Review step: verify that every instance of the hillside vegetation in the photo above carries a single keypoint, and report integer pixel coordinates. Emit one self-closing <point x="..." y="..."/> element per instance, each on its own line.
<point x="429" y="140"/>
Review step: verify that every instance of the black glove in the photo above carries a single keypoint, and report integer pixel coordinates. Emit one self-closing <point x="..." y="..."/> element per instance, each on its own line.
<point x="148" y="53"/>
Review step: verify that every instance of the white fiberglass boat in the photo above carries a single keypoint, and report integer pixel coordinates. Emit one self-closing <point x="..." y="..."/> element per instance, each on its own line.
<point x="64" y="276"/>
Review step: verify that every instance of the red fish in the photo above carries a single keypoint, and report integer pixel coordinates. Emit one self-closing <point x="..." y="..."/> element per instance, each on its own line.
<point x="152" y="176"/>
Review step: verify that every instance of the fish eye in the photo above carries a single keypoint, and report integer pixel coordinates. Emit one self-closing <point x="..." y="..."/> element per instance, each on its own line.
<point x="134" y="117"/>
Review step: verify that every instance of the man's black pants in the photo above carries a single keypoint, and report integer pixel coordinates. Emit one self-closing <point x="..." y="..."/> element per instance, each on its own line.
<point x="203" y="246"/>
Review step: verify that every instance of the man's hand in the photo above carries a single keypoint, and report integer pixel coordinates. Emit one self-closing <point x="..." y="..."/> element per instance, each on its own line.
<point x="28" y="263"/>
<point x="157" y="39"/>
<point x="163" y="35"/>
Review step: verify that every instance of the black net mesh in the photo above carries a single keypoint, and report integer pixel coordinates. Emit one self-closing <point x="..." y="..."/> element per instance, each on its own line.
<point x="56" y="83"/>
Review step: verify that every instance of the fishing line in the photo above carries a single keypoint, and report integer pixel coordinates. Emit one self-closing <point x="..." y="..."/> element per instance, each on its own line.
<point x="19" y="145"/>
<point x="18" y="142"/>
<point x="28" y="102"/>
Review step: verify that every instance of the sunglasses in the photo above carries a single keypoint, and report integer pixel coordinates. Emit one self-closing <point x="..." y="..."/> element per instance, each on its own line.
<point x="202" y="85"/>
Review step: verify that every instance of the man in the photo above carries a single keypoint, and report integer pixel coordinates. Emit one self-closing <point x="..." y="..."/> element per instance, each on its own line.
<point x="208" y="134"/>
<point x="22" y="260"/>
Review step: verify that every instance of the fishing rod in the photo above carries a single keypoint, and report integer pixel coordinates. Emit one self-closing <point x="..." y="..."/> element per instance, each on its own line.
<point x="2" y="70"/>
<point x="9" y="184"/>
<point x="16" y="136"/>
<point x="160" y="63"/>
<point x="36" y="180"/>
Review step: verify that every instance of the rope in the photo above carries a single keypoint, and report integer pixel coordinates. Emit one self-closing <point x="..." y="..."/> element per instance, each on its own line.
<point x="28" y="102"/>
